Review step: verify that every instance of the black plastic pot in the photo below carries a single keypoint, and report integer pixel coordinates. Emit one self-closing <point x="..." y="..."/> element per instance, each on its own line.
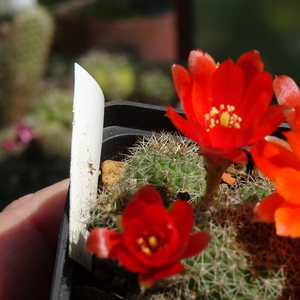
<point x="124" y="124"/>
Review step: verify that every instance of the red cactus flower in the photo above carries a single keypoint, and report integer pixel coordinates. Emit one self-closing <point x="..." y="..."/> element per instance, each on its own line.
<point x="153" y="240"/>
<point x="280" y="161"/>
<point x="227" y="106"/>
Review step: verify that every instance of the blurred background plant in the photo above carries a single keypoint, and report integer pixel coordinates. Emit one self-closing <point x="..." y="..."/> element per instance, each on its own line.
<point x="114" y="73"/>
<point x="128" y="46"/>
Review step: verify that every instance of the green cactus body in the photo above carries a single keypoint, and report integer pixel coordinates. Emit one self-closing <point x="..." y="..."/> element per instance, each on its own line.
<point x="28" y="46"/>
<point x="242" y="261"/>
<point x="171" y="161"/>
<point x="223" y="271"/>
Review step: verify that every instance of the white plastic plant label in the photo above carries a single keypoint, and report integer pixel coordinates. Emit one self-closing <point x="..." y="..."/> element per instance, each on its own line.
<point x="88" y="116"/>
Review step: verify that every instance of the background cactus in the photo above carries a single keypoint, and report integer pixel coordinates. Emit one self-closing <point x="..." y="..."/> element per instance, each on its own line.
<point x="113" y="72"/>
<point x="50" y="117"/>
<point x="121" y="79"/>
<point x="25" y="55"/>
<point x="155" y="87"/>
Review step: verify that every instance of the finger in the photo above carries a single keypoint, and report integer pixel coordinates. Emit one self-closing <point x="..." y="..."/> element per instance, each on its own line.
<point x="28" y="238"/>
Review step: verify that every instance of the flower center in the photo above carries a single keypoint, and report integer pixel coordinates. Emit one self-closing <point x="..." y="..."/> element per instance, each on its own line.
<point x="223" y="116"/>
<point x="148" y="243"/>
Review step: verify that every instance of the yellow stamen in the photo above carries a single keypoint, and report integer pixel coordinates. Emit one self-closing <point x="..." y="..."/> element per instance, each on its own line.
<point x="230" y="108"/>
<point x="146" y="250"/>
<point x="153" y="242"/>
<point x="223" y="116"/>
<point x="213" y="112"/>
<point x="140" y="241"/>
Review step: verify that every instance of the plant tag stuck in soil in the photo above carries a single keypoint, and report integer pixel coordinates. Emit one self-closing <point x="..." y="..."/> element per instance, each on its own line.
<point x="88" y="115"/>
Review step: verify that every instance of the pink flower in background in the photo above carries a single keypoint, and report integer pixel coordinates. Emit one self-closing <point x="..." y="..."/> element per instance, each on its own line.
<point x="24" y="135"/>
<point x="9" y="145"/>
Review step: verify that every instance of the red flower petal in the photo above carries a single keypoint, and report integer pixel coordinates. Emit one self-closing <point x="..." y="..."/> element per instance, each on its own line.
<point x="251" y="64"/>
<point x="133" y="210"/>
<point x="287" y="218"/>
<point x="256" y="100"/>
<point x="227" y="85"/>
<point x="201" y="65"/>
<point x="238" y="157"/>
<point x="144" y="197"/>
<point x="181" y="124"/>
<point x="183" y="86"/>
<point x="287" y="185"/>
<point x="103" y="242"/>
<point x="130" y="262"/>
<point x="293" y="118"/>
<point x="271" y="157"/>
<point x="194" y="85"/>
<point x="286" y="91"/>
<point x="272" y="119"/>
<point x="202" y="68"/>
<point x="265" y="209"/>
<point x="148" y="279"/>
<point x="294" y="141"/>
<point x="169" y="270"/>
<point x="182" y="83"/>
<point x="197" y="242"/>
<point x="182" y="215"/>
<point x="148" y="195"/>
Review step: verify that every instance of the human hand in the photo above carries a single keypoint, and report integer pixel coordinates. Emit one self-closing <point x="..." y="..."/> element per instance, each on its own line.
<point x="29" y="230"/>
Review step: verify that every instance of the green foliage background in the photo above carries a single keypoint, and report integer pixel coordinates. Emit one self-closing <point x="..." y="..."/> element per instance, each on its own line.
<point x="226" y="29"/>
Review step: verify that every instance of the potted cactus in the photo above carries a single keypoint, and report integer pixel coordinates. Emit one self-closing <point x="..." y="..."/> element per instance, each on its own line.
<point x="227" y="255"/>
